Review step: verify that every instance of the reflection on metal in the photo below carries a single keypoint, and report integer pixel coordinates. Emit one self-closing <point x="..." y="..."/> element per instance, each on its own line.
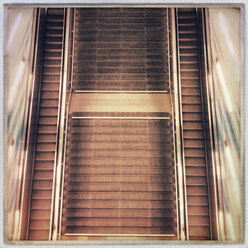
<point x="169" y="30"/>
<point x="62" y="124"/>
<point x="15" y="85"/>
<point x="231" y="166"/>
<point x="180" y="167"/>
<point x="208" y="108"/>
<point x="223" y="84"/>
<point x="224" y="25"/>
<point x="13" y="31"/>
<point x="225" y="91"/>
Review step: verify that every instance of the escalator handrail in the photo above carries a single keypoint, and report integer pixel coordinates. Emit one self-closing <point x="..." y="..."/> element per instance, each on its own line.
<point x="203" y="116"/>
<point x="172" y="114"/>
<point x="178" y="125"/>
<point x="66" y="122"/>
<point x="212" y="118"/>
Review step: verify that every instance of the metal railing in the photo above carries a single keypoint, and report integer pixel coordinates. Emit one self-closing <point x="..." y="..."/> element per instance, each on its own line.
<point x="169" y="31"/>
<point x="202" y="79"/>
<point x="178" y="125"/>
<point x="67" y="119"/>
<point x="211" y="117"/>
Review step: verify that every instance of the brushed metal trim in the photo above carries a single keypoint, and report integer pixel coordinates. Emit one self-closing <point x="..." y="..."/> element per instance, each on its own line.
<point x="169" y="30"/>
<point x="121" y="235"/>
<point x="121" y="91"/>
<point x="203" y="116"/>
<point x="120" y="117"/>
<point x="179" y="127"/>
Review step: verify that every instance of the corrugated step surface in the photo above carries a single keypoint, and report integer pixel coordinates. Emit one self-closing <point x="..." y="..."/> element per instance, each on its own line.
<point x="41" y="196"/>
<point x="194" y="145"/>
<point x="119" y="176"/>
<point x="121" y="49"/>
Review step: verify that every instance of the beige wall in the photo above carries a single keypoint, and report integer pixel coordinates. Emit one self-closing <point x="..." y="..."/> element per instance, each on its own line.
<point x="17" y="74"/>
<point x="227" y="66"/>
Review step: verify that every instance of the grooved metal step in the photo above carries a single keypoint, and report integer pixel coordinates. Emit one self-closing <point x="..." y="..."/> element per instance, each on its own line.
<point x="117" y="183"/>
<point x="121" y="50"/>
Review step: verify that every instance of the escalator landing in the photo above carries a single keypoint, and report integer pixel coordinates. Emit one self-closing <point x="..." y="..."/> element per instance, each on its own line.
<point x="93" y="102"/>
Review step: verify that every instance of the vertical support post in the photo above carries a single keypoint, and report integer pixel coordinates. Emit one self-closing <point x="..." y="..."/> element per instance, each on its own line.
<point x="174" y="67"/>
<point x="57" y="195"/>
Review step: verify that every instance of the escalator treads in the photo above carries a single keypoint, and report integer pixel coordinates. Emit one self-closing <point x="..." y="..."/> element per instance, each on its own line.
<point x="121" y="50"/>
<point x="119" y="185"/>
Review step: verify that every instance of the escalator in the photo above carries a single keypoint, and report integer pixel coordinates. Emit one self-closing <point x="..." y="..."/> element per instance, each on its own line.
<point x="46" y="141"/>
<point x="119" y="175"/>
<point x="193" y="127"/>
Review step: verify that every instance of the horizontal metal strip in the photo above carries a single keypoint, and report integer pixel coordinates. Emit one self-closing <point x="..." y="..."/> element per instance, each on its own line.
<point x="121" y="235"/>
<point x="121" y="91"/>
<point x="120" y="117"/>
